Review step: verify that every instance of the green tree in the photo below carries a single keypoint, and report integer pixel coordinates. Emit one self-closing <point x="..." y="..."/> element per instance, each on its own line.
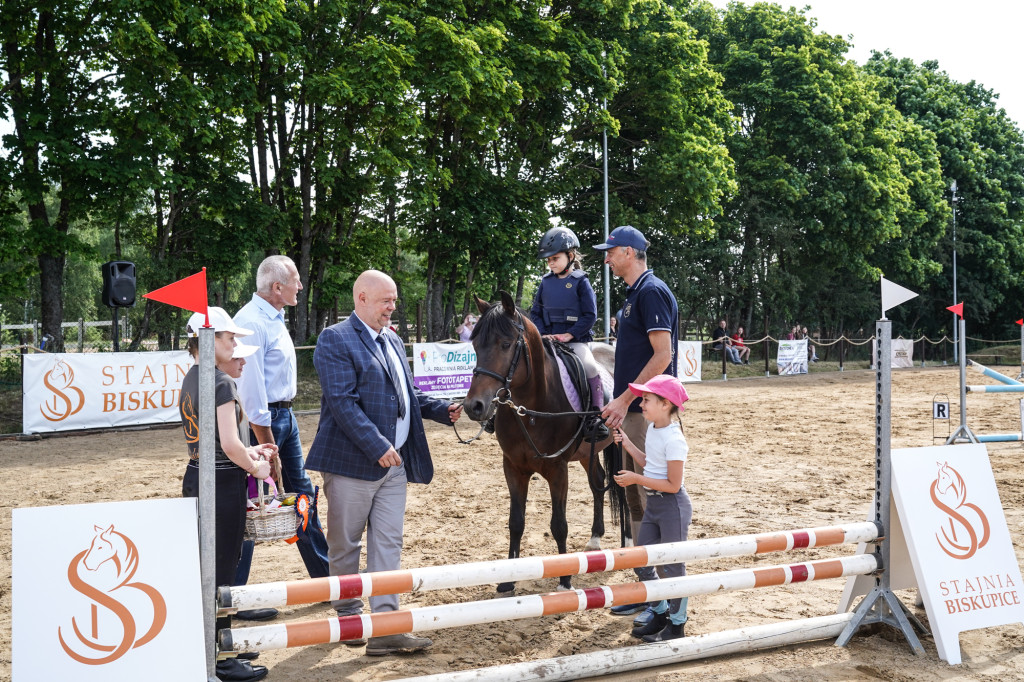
<point x="830" y="174"/>
<point x="983" y="151"/>
<point x="56" y="91"/>
<point x="669" y="167"/>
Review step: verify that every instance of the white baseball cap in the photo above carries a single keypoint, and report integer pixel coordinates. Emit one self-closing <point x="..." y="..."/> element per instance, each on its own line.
<point x="220" y="321"/>
<point x="242" y="350"/>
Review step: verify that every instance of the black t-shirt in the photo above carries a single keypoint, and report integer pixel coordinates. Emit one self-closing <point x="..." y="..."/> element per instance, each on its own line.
<point x="224" y="392"/>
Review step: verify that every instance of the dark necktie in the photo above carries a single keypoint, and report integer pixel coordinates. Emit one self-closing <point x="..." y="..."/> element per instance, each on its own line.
<point x="393" y="372"/>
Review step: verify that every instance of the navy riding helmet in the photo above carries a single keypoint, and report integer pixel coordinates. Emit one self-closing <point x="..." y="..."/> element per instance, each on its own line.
<point x="556" y="240"/>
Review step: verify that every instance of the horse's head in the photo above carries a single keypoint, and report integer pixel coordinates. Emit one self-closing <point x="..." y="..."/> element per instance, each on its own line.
<point x="110" y="545"/>
<point x="101" y="550"/>
<point x="502" y="359"/>
<point x="949" y="480"/>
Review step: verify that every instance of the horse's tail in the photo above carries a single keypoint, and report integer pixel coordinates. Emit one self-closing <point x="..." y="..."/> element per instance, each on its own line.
<point x="612" y="464"/>
<point x="616" y="493"/>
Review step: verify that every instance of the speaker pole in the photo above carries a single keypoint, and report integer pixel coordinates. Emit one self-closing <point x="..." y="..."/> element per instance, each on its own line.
<point x="116" y="334"/>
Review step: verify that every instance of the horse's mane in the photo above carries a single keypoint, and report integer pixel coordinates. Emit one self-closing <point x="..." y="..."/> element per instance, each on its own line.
<point x="495" y="324"/>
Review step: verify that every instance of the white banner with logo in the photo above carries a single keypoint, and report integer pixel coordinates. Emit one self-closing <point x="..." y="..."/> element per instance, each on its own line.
<point x="792" y="357"/>
<point x="65" y="391"/>
<point x="959" y="543"/>
<point x="107" y="592"/>
<point x="444" y="370"/>
<point x="902" y="353"/>
<point x="688" y="360"/>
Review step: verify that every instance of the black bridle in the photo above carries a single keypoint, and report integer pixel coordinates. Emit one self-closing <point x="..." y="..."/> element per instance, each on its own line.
<point x="517" y="354"/>
<point x="520" y="411"/>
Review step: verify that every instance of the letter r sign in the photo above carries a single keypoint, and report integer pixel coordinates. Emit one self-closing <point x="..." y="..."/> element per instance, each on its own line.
<point x="940" y="410"/>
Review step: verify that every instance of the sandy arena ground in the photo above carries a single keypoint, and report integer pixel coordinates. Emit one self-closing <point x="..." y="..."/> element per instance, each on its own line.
<point x="765" y="455"/>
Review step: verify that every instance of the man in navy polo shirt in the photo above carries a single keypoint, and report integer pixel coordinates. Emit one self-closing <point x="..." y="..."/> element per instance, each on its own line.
<point x="648" y="330"/>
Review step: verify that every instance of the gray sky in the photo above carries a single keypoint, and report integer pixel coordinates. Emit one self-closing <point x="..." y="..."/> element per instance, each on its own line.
<point x="977" y="41"/>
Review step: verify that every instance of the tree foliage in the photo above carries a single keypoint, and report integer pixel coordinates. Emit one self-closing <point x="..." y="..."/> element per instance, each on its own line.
<point x="775" y="178"/>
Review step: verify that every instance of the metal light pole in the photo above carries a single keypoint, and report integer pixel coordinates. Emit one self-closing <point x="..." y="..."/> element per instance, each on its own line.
<point x="956" y="326"/>
<point x="607" y="273"/>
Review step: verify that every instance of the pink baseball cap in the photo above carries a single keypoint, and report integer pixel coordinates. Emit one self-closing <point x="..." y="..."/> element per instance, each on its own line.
<point x="668" y="387"/>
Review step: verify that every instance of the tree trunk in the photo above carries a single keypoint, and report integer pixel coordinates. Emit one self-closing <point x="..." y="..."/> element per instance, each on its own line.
<point x="51" y="281"/>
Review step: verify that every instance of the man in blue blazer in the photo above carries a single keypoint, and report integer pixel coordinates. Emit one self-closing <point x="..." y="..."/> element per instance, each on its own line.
<point x="370" y="443"/>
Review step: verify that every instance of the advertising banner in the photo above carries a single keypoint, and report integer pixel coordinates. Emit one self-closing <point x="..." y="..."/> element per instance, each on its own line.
<point x="902" y="353"/>
<point x="959" y="543"/>
<point x="444" y="370"/>
<point x="688" y="361"/>
<point x="64" y="391"/>
<point x="792" y="357"/>
<point x="107" y="592"/>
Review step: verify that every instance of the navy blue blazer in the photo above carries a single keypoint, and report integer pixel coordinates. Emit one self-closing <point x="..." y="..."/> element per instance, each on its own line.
<point x="359" y="407"/>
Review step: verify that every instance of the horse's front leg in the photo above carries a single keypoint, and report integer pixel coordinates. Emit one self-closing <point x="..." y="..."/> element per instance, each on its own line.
<point x="518" y="487"/>
<point x="595" y="477"/>
<point x="558" y="483"/>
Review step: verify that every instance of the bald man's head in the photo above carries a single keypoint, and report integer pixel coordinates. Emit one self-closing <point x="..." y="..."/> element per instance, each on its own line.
<point x="374" y="295"/>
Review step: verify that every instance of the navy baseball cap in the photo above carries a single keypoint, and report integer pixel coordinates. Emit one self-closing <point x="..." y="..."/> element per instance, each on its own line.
<point x="625" y="235"/>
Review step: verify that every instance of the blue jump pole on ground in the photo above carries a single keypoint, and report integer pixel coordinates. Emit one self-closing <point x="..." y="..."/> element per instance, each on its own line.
<point x="992" y="374"/>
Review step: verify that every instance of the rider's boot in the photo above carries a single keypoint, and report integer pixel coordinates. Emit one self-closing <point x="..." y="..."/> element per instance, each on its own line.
<point x="598" y="431"/>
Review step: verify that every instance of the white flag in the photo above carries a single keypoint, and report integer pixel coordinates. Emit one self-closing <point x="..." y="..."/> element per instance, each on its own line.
<point x="893" y="294"/>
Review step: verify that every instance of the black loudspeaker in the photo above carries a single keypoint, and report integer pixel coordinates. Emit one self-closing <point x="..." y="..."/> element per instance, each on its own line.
<point x="119" y="284"/>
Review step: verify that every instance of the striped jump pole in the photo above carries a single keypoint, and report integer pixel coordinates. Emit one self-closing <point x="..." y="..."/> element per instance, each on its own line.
<point x="311" y="591"/>
<point x="996" y="388"/>
<point x="992" y="374"/>
<point x="342" y="628"/>
<point x="625" y="659"/>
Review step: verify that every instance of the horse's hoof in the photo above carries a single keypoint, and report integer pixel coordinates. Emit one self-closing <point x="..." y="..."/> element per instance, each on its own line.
<point x="563" y="588"/>
<point x="593" y="545"/>
<point x="504" y="588"/>
<point x="629" y="542"/>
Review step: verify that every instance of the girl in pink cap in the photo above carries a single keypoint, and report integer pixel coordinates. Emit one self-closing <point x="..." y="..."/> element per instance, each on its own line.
<point x="668" y="511"/>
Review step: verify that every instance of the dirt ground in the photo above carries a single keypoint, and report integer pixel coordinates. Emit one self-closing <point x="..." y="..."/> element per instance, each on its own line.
<point x="765" y="454"/>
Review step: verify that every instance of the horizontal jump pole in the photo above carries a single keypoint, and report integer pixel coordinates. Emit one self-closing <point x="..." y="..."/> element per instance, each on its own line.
<point x="998" y="437"/>
<point x="311" y="591"/>
<point x="991" y="373"/>
<point x="996" y="388"/>
<point x="625" y="659"/>
<point x="342" y="628"/>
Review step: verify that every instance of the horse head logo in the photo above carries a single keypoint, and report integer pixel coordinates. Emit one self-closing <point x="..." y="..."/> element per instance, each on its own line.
<point x="66" y="399"/>
<point x="968" y="529"/>
<point x="109" y="565"/>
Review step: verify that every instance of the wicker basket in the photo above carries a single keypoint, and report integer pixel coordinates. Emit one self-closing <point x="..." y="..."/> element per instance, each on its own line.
<point x="264" y="525"/>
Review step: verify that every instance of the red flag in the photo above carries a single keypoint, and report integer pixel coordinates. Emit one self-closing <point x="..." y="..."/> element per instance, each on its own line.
<point x="958" y="309"/>
<point x="188" y="293"/>
<point x="1021" y="321"/>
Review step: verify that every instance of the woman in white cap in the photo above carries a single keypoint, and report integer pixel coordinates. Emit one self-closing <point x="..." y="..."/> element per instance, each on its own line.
<point x="232" y="458"/>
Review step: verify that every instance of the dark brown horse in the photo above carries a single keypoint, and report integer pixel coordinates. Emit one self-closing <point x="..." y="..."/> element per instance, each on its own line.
<point x="512" y="368"/>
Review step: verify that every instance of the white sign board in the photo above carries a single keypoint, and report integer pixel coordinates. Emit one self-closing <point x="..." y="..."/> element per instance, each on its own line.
<point x="688" y="360"/>
<point x="65" y="391"/>
<point x="902" y="353"/>
<point x="792" y="357"/>
<point x="106" y="592"/>
<point x="959" y="543"/>
<point x="443" y="369"/>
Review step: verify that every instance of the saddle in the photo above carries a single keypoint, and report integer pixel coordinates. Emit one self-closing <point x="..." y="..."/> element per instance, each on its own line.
<point x="574" y="376"/>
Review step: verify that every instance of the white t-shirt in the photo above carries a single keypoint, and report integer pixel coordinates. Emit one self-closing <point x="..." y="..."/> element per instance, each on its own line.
<point x="664" y="445"/>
